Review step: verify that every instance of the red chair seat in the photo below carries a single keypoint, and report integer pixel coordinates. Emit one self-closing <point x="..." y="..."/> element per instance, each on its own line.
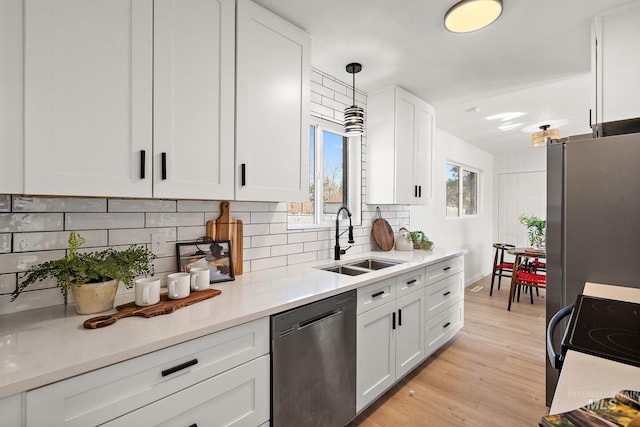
<point x="538" y="279"/>
<point x="539" y="264"/>
<point x="506" y="265"/>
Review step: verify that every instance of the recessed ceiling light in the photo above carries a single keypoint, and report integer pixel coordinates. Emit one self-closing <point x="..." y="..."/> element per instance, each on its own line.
<point x="467" y="16"/>
<point x="504" y="117"/>
<point x="508" y="126"/>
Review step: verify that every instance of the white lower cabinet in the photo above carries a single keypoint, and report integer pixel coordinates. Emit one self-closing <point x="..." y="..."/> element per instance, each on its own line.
<point x="440" y="328"/>
<point x="390" y="340"/>
<point x="220" y="379"/>
<point x="11" y="410"/>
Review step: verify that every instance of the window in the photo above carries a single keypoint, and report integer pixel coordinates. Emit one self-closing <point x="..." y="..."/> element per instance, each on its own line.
<point x="462" y="191"/>
<point x="334" y="177"/>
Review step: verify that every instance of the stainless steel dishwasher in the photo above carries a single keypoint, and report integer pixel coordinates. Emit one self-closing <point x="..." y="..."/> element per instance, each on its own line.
<point x="313" y="364"/>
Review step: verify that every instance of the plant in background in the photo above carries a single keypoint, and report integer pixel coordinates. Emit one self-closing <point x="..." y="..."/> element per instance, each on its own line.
<point x="535" y="228"/>
<point x="91" y="267"/>
<point x="420" y="241"/>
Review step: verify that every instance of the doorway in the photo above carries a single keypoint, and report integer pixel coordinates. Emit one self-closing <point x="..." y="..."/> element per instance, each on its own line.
<point x="520" y="193"/>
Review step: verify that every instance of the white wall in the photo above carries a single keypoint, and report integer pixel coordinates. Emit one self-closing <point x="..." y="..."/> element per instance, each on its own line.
<point x="475" y="234"/>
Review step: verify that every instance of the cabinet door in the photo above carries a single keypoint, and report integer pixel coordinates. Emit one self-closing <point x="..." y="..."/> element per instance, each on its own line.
<point x="11" y="106"/>
<point x="88" y="97"/>
<point x="409" y="332"/>
<point x="423" y="162"/>
<point x="193" y="98"/>
<point x="238" y="397"/>
<point x="273" y="97"/>
<point x="441" y="328"/>
<point x="406" y="185"/>
<point x="11" y="410"/>
<point x="376" y="353"/>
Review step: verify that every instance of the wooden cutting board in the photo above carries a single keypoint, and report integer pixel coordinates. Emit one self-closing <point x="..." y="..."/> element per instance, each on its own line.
<point x="228" y="228"/>
<point x="382" y="233"/>
<point x="165" y="306"/>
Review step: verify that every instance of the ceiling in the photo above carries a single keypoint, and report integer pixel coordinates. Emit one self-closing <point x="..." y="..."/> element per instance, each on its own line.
<point x="535" y="59"/>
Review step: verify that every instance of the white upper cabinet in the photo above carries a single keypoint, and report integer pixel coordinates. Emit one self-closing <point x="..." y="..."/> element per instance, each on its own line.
<point x="272" y="107"/>
<point x="616" y="60"/>
<point x="88" y="71"/>
<point x="193" y="98"/>
<point x="11" y="122"/>
<point x="400" y="129"/>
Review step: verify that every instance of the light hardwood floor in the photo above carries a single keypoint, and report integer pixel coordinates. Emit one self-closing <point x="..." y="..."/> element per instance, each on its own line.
<point x="491" y="374"/>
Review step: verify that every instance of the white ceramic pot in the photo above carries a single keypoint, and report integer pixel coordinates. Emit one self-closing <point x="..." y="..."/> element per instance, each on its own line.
<point x="93" y="298"/>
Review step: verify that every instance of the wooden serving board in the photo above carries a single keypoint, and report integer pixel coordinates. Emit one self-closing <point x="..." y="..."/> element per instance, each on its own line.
<point x="228" y="228"/>
<point x="382" y="233"/>
<point x="165" y="306"/>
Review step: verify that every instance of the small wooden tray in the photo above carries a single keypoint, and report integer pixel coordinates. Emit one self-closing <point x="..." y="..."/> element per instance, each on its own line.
<point x="165" y="306"/>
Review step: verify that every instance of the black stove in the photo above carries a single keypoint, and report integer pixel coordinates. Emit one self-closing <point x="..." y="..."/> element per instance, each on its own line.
<point x="605" y="328"/>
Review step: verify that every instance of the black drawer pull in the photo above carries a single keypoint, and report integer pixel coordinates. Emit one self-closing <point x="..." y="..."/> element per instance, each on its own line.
<point x="415" y="191"/>
<point x="164" y="166"/>
<point x="446" y="324"/>
<point x="399" y="317"/>
<point x="393" y="322"/>
<point x="179" y="367"/>
<point x="411" y="282"/>
<point x="377" y="294"/>
<point x="142" y="163"/>
<point x="243" y="174"/>
<point x="447" y="293"/>
<point x="419" y="190"/>
<point x="447" y="268"/>
<point x="194" y="425"/>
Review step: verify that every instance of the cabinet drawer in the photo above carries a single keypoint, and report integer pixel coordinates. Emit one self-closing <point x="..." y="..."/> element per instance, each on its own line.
<point x="104" y="394"/>
<point x="238" y="397"/>
<point x="376" y="294"/>
<point x="444" y="269"/>
<point x="411" y="281"/>
<point x="444" y="293"/>
<point x="442" y="327"/>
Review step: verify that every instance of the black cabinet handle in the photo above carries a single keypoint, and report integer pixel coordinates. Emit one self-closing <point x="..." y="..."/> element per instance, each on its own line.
<point x="377" y="294"/>
<point x="194" y="425"/>
<point x="447" y="268"/>
<point x="393" y="322"/>
<point x="447" y="293"/>
<point x="179" y="367"/>
<point x="143" y="154"/>
<point x="243" y="174"/>
<point x="446" y="324"/>
<point x="399" y="317"/>
<point x="164" y="166"/>
<point x="411" y="282"/>
<point x="415" y="191"/>
<point x="419" y="190"/>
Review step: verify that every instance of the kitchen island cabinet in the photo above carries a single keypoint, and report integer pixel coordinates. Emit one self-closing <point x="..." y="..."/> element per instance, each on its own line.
<point x="129" y="98"/>
<point x="272" y="103"/>
<point x="400" y="132"/>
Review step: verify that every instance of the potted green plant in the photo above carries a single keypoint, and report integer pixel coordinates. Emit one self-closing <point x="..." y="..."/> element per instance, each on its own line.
<point x="535" y="228"/>
<point x="420" y="241"/>
<point x="93" y="277"/>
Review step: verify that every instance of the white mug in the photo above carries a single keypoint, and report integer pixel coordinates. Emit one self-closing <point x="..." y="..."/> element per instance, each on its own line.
<point x="178" y="285"/>
<point x="147" y="291"/>
<point x="199" y="278"/>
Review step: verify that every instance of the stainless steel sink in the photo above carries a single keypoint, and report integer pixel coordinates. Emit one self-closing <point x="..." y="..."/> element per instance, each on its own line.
<point x="361" y="267"/>
<point x="373" y="264"/>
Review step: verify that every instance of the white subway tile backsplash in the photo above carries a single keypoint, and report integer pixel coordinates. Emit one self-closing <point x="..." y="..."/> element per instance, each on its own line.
<point x="266" y="263"/>
<point x="248" y="207"/>
<point x="255" y="229"/>
<point x="120" y="237"/>
<point x="278" y="207"/>
<point x="321" y="90"/>
<point x="5" y="202"/>
<point x="5" y="243"/>
<point x="199" y="206"/>
<point x="279" y="228"/>
<point x="303" y="257"/>
<point x="174" y="219"/>
<point x="190" y="234"/>
<point x="13" y="222"/>
<point x="165" y="265"/>
<point x="49" y="240"/>
<point x="21" y="261"/>
<point x="307" y="236"/>
<point x="255" y="253"/>
<point x="92" y="221"/>
<point x="57" y="204"/>
<point x="320" y="245"/>
<point x="7" y="283"/>
<point x="268" y="240"/>
<point x="316" y="77"/>
<point x="139" y="205"/>
<point x="286" y="249"/>
<point x="268" y="217"/>
<point x="336" y="86"/>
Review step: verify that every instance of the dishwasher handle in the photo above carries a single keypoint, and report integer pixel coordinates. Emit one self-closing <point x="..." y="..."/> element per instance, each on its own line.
<point x="554" y="358"/>
<point x="316" y="319"/>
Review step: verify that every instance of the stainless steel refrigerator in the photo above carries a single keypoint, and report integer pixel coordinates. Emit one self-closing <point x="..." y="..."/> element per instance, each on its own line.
<point x="593" y="218"/>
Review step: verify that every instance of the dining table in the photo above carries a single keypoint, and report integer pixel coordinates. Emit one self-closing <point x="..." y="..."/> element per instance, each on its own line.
<point x="522" y="255"/>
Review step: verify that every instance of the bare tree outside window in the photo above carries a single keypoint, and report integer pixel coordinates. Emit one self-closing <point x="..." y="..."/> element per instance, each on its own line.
<point x="462" y="194"/>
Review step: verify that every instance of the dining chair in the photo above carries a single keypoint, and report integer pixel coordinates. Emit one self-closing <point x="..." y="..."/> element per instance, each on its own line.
<point x="501" y="268"/>
<point x="527" y="280"/>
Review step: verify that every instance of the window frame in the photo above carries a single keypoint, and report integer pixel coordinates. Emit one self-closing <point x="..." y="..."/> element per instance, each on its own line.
<point x="463" y="168"/>
<point x="352" y="166"/>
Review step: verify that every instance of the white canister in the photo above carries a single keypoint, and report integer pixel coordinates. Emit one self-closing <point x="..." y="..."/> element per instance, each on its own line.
<point x="199" y="278"/>
<point x="179" y="285"/>
<point x="147" y="290"/>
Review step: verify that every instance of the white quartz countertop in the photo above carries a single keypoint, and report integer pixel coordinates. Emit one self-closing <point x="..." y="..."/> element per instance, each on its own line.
<point x="585" y="378"/>
<point x="39" y="347"/>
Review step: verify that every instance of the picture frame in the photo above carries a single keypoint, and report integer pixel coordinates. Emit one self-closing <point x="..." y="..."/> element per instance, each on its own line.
<point x="216" y="254"/>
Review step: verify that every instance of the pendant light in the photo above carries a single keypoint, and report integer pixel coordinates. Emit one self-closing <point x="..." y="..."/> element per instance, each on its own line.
<point x="354" y="115"/>
<point x="467" y="16"/>
<point x="541" y="138"/>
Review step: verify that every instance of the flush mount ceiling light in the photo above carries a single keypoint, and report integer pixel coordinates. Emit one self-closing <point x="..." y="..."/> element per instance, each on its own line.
<point x="354" y="115"/>
<point x="467" y="16"/>
<point x="541" y="138"/>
